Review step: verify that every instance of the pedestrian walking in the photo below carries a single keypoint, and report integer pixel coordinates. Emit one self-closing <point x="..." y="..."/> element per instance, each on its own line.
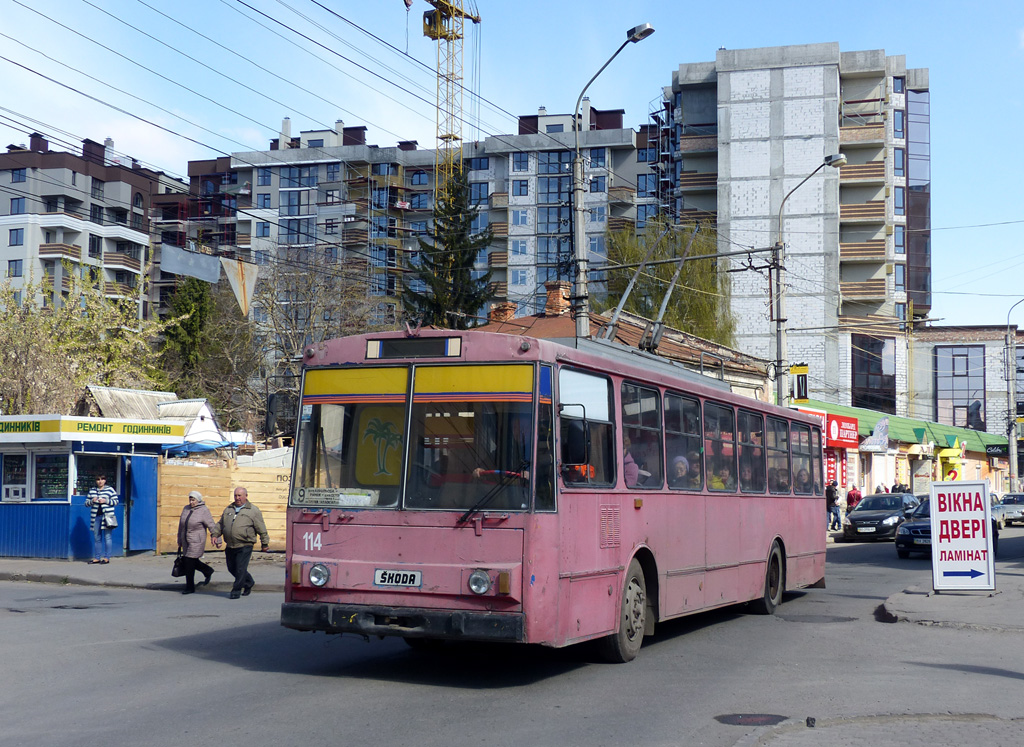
<point x="196" y="520"/>
<point x="101" y="501"/>
<point x="240" y="525"/>
<point x="834" y="523"/>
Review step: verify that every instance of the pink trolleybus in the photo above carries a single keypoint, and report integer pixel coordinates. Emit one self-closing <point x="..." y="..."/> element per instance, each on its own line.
<point x="491" y="487"/>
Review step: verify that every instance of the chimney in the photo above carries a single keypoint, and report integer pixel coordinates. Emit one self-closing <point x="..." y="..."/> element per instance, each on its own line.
<point x="93" y="152"/>
<point x="558" y="297"/>
<point x="542" y="111"/>
<point x="339" y="126"/>
<point x="354" y="136"/>
<point x="285" y="141"/>
<point x="407" y="144"/>
<point x="584" y="123"/>
<point x="502" y="312"/>
<point x="38" y="143"/>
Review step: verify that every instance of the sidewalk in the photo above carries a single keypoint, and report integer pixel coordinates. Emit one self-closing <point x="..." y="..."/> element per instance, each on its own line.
<point x="145" y="571"/>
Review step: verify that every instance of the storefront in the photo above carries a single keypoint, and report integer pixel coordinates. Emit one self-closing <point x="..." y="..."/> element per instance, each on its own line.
<point x="48" y="463"/>
<point x="841" y="443"/>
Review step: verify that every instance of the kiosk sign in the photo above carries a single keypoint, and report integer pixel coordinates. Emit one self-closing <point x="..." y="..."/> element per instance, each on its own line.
<point x="961" y="519"/>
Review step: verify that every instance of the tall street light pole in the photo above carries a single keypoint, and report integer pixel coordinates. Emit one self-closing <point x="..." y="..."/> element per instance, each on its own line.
<point x="1011" y="399"/>
<point x="779" y="257"/>
<point x="579" y="246"/>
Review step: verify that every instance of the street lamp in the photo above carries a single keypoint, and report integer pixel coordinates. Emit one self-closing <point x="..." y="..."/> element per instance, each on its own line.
<point x="779" y="256"/>
<point x="1011" y="399"/>
<point x="634" y="35"/>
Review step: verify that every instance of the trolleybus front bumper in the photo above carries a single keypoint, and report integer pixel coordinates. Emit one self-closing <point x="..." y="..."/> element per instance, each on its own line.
<point x="403" y="621"/>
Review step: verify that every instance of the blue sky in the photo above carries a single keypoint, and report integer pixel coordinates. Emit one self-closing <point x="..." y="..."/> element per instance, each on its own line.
<point x="523" y="55"/>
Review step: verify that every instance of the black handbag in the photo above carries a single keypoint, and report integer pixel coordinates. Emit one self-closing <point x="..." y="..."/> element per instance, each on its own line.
<point x="178" y="569"/>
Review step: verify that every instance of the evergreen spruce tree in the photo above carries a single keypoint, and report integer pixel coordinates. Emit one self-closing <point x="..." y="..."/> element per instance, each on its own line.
<point x="453" y="298"/>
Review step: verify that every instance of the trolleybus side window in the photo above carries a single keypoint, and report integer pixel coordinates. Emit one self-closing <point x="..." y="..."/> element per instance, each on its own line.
<point x="719" y="446"/>
<point x="641" y="437"/>
<point x="816" y="460"/>
<point x="778" y="456"/>
<point x="803" y="483"/>
<point x="585" y="410"/>
<point x="751" y="452"/>
<point x="682" y="442"/>
<point x="545" y="497"/>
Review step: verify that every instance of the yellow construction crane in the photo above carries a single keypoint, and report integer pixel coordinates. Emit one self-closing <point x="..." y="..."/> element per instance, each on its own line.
<point x="444" y="24"/>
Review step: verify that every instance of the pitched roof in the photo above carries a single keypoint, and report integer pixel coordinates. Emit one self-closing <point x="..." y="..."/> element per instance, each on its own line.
<point x="128" y="404"/>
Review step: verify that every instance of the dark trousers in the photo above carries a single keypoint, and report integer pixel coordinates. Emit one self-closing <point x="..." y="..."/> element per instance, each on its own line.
<point x="237" y="559"/>
<point x="190" y="566"/>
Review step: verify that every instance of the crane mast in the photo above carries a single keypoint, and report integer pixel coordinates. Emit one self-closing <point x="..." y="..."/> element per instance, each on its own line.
<point x="444" y="24"/>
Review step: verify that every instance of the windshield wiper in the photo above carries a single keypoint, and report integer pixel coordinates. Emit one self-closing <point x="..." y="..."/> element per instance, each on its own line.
<point x="504" y="481"/>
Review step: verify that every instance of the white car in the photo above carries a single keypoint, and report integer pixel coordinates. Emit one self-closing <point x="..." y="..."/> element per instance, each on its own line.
<point x="1013" y="508"/>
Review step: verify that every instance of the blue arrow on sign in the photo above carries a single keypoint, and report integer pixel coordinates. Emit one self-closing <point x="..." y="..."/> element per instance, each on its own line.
<point x="972" y="573"/>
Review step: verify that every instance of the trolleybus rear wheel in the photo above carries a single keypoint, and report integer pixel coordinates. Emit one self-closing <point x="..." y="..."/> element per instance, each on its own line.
<point x="624" y="645"/>
<point x="774" y="582"/>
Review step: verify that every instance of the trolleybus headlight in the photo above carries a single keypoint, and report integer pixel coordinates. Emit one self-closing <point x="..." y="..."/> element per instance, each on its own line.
<point x="479" y="582"/>
<point x="319" y="574"/>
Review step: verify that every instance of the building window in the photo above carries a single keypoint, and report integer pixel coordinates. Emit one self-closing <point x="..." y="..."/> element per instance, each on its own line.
<point x="553" y="219"/>
<point x="517" y="277"/>
<point x="960" y="385"/>
<point x="97" y="189"/>
<point x="900" y="276"/>
<point x="520" y="161"/>
<point x="520" y="217"/>
<point x="298" y="176"/>
<point x="480" y="222"/>
<point x="332" y="196"/>
<point x="553" y="190"/>
<point x="554" y="128"/>
<point x="549" y="249"/>
<point x="262" y="177"/>
<point x="873" y="363"/>
<point x="647" y="154"/>
<point x="333" y="171"/>
<point x="478" y="164"/>
<point x="645" y="185"/>
<point x="17" y="175"/>
<point x="262" y="228"/>
<point x="899" y="124"/>
<point x="901" y="314"/>
<point x="95" y="247"/>
<point x="597" y="159"/>
<point x="899" y="201"/>
<point x="644" y="213"/>
<point x="15" y="268"/>
<point x="331" y="253"/>
<point x="420" y="179"/>
<point x="899" y="239"/>
<point x="598" y="214"/>
<point x="597" y="249"/>
<point x="599" y="184"/>
<point x="518" y="248"/>
<point x="263" y="200"/>
<point x="17" y="205"/>
<point x="520" y="187"/>
<point x="418" y="227"/>
<point x="17" y="237"/>
<point x="96" y="214"/>
<point x="260" y="257"/>
<point x="554" y="162"/>
<point x="331" y="226"/>
<point x="478" y="193"/>
<point x="317" y="143"/>
<point x="419" y="202"/>
<point x="898" y="84"/>
<point x="899" y="162"/>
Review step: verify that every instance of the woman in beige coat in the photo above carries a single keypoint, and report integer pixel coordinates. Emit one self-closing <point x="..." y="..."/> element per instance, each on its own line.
<point x="196" y="520"/>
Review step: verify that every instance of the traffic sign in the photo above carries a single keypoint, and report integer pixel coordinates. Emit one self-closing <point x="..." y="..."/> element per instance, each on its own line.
<point x="961" y="519"/>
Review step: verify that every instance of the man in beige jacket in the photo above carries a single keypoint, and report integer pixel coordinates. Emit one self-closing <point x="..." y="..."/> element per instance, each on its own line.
<point x="240" y="525"/>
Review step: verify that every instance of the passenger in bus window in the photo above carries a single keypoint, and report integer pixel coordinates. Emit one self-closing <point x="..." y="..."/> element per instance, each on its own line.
<point x="680" y="477"/>
<point x="803" y="482"/>
<point x="747" y="478"/>
<point x="781" y="481"/>
<point x="695" y="472"/>
<point x="723" y="479"/>
<point x="630" y="469"/>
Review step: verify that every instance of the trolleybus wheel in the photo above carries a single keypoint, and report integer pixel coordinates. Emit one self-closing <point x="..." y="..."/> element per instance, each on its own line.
<point x="624" y="645"/>
<point x="773" y="584"/>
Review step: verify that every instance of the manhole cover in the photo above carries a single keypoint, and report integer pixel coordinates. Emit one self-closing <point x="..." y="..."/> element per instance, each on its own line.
<point x="750" y="719"/>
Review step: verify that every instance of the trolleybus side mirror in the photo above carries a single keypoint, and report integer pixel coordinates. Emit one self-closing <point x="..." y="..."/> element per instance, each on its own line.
<point x="575" y="441"/>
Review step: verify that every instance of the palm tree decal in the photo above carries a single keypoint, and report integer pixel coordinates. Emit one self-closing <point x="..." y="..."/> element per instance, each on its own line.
<point x="384" y="436"/>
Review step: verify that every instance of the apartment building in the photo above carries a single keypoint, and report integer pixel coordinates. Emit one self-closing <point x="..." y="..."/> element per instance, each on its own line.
<point x="64" y="210"/>
<point x="329" y="195"/>
<point x="736" y="138"/>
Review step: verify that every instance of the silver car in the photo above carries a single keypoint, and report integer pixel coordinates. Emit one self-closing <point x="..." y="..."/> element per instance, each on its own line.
<point x="1013" y="508"/>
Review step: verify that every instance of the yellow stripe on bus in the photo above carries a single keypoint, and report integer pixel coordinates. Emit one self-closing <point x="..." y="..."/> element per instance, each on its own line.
<point x="437" y="379"/>
<point x="362" y="380"/>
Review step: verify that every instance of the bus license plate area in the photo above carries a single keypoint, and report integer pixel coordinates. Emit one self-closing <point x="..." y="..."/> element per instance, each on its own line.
<point x="395" y="578"/>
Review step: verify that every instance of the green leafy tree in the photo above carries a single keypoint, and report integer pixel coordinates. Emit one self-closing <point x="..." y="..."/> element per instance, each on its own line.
<point x="700" y="299"/>
<point x="50" y="351"/>
<point x="452" y="297"/>
<point x="191" y="307"/>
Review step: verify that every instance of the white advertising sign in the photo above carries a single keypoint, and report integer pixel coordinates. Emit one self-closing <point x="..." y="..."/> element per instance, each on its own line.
<point x="961" y="519"/>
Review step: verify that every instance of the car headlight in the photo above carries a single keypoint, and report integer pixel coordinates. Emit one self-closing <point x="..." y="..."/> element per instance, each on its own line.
<point x="479" y="582"/>
<point x="319" y="574"/>
<point x="903" y="529"/>
<point x="846" y="521"/>
<point x="891" y="520"/>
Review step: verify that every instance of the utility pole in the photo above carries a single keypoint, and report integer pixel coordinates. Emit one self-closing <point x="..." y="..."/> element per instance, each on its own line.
<point x="1011" y="407"/>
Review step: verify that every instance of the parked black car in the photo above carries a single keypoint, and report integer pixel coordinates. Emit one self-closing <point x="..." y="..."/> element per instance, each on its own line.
<point x="878" y="515"/>
<point x="915" y="534"/>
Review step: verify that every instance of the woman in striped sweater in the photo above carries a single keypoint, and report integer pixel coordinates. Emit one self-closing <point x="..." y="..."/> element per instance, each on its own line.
<point x="101" y="500"/>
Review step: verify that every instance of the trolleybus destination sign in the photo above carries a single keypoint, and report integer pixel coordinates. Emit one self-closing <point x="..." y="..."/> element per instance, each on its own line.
<point x="961" y="519"/>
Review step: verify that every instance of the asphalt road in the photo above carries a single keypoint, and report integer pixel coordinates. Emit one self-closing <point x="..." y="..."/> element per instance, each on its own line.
<point x="88" y="666"/>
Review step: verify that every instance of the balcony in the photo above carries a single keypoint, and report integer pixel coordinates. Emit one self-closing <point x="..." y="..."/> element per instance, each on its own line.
<point x="694" y="180"/>
<point x="698" y="143"/>
<point x="862" y="251"/>
<point x="70" y="252"/>
<point x="499" y="200"/>
<point x="117" y="290"/>
<point x="699" y="216"/>
<point x="65" y="283"/>
<point x="621" y="224"/>
<point x="497" y="259"/>
<point x="872" y="134"/>
<point x="121" y="261"/>
<point x="866" y="212"/>
<point x="69" y="220"/>
<point x="863" y="290"/>
<point x="499" y="289"/>
<point x="621" y="195"/>
<point x="351" y="236"/>
<point x="500" y="229"/>
<point x="863" y="172"/>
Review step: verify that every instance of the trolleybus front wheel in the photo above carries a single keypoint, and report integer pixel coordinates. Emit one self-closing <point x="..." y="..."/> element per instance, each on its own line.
<point x="624" y="645"/>
<point x="774" y="582"/>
